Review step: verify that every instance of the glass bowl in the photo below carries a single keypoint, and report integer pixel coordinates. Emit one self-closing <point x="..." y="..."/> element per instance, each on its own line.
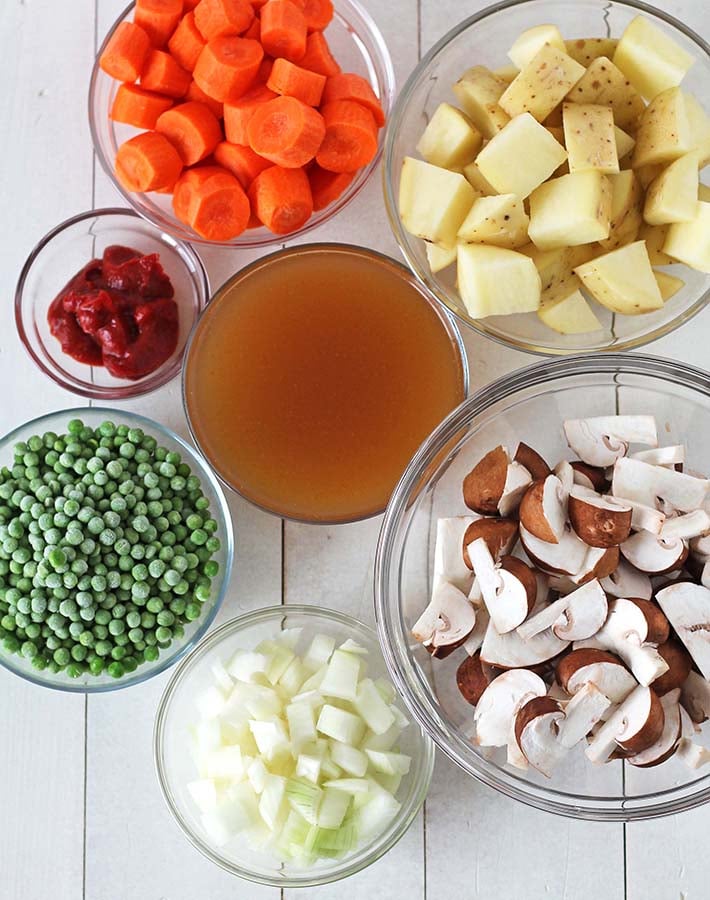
<point x="175" y="766"/>
<point x="485" y="39"/>
<point x="358" y="46"/>
<point x="529" y="405"/>
<point x="64" y="252"/>
<point x="219" y="510"/>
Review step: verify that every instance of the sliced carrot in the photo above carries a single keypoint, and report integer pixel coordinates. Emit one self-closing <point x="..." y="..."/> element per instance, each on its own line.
<point x="135" y="106"/>
<point x="292" y="81"/>
<point x="214" y="205"/>
<point x="126" y="53"/>
<point x="187" y="43"/>
<point x="189" y="5"/>
<point x="267" y="64"/>
<point x="318" y="57"/>
<point x="159" y="18"/>
<point x="241" y="161"/>
<point x="282" y="199"/>
<point x="286" y="131"/>
<point x="216" y="18"/>
<point x="227" y="67"/>
<point x="193" y="129"/>
<point x="254" y="222"/>
<point x="195" y="92"/>
<point x="187" y="184"/>
<point x="327" y="186"/>
<point x="283" y="29"/>
<point x="165" y="75"/>
<point x="148" y="162"/>
<point x="238" y="114"/>
<point x="318" y="13"/>
<point x="350" y="140"/>
<point x="348" y="86"/>
<point x="253" y="32"/>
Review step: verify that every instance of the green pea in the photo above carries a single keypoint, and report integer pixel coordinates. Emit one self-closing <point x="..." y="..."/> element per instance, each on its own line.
<point x="192" y="611"/>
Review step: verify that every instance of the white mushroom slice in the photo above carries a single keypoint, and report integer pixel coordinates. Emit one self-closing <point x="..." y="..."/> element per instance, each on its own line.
<point x="627" y="628"/>
<point x="626" y="581"/>
<point x="643" y="518"/>
<point x="508" y="592"/>
<point x="517" y="480"/>
<point x="582" y="713"/>
<point x="654" y="486"/>
<point x="662" y="456"/>
<point x="574" y="617"/>
<point x="597" y="521"/>
<point x="598" y="667"/>
<point x="592" y="478"/>
<point x="564" y="471"/>
<point x="474" y="641"/>
<point x="687" y="607"/>
<point x="634" y="725"/>
<point x="705" y="574"/>
<point x="565" y="557"/>
<point x="475" y="596"/>
<point x="543" y="510"/>
<point x="448" y="619"/>
<point x="496" y="708"/>
<point x="536" y="731"/>
<point x="449" y="563"/>
<point x="499" y="534"/>
<point x="563" y="584"/>
<point x="598" y="563"/>
<point x="688" y="728"/>
<point x="602" y="440"/>
<point x="695" y="697"/>
<point x="663" y="748"/>
<point x="690" y="525"/>
<point x="514" y="755"/>
<point x="510" y="651"/>
<point x="558" y="692"/>
<point x="653" y="554"/>
<point x="700" y="547"/>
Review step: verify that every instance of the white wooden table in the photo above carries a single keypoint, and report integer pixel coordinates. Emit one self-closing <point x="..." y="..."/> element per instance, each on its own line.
<point x="81" y="817"/>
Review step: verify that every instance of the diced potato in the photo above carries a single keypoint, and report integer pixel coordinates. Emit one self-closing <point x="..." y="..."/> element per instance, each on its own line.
<point x="501" y="160"/>
<point x="623" y="280"/>
<point x="654" y="237"/>
<point x="689" y="242"/>
<point x="590" y="138"/>
<point x="440" y="257"/>
<point x="648" y="174"/>
<point x="433" y="202"/>
<point x="478" y="91"/>
<point x="586" y="50"/>
<point x="699" y="128"/>
<point x="475" y="178"/>
<point x="541" y="84"/>
<point x="603" y="83"/>
<point x="571" y="210"/>
<point x="673" y="196"/>
<point x="668" y="285"/>
<point x="450" y="139"/>
<point x="624" y="142"/>
<point x="556" y="268"/>
<point x="496" y="282"/>
<point x="650" y="59"/>
<point x="558" y="133"/>
<point x="507" y="73"/>
<point x="532" y="40"/>
<point x="664" y="132"/>
<point x="703" y="192"/>
<point x="569" y="315"/>
<point x="626" y="204"/>
<point x="500" y="220"/>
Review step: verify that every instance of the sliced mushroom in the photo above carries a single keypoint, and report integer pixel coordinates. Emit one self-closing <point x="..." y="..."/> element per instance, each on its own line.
<point x="509" y="591"/>
<point x="653" y="554"/>
<point x="598" y="667"/>
<point x="665" y="745"/>
<point x="633" y="726"/>
<point x="691" y="525"/>
<point x="688" y="728"/>
<point x="626" y="581"/>
<point x="599" y="562"/>
<point x="562" y="584"/>
<point x="700" y="547"/>
<point x="573" y="617"/>
<point x="679" y="666"/>
<point x="499" y="534"/>
<point x="543" y="510"/>
<point x="629" y="626"/>
<point x="448" y="619"/>
<point x="597" y="521"/>
<point x="558" y="692"/>
<point x="643" y="518"/>
<point x="484" y="484"/>
<point x="536" y="732"/>
<point x="582" y="713"/>
<point x="591" y="477"/>
<point x="474" y="641"/>
<point x="565" y="557"/>
<point x="510" y="651"/>
<point x="600" y="441"/>
<point x="496" y="706"/>
<point x="532" y="461"/>
<point x="517" y="481"/>
<point x="695" y="697"/>
<point x="662" y="456"/>
<point x="471" y="679"/>
<point x="564" y="471"/>
<point x="449" y="564"/>
<point x="687" y="606"/>
<point x="654" y="486"/>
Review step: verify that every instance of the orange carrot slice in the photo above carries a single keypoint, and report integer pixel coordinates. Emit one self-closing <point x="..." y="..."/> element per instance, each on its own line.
<point x="135" y="106"/>
<point x="227" y="67"/>
<point x="281" y="198"/>
<point x="126" y="53"/>
<point x="148" y="162"/>
<point x="189" y="5"/>
<point x="216" y="18"/>
<point x="193" y="129"/>
<point x="187" y="43"/>
<point x="286" y="131"/>
<point x="159" y="18"/>
<point x="186" y="185"/>
<point x="195" y="92"/>
<point x="348" y="86"/>
<point x="318" y="13"/>
<point x="241" y="161"/>
<point x="267" y="64"/>
<point x="214" y="205"/>
<point x="238" y="114"/>
<point x="318" y="57"/>
<point x="253" y="32"/>
<point x="292" y="81"/>
<point x="165" y="75"/>
<point x="350" y="140"/>
<point x="327" y="186"/>
<point x="283" y="29"/>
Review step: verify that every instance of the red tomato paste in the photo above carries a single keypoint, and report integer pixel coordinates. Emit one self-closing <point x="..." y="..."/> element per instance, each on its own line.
<point x="118" y="312"/>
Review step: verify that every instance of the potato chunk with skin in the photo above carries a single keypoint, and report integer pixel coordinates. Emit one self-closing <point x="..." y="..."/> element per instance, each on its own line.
<point x="433" y="202"/>
<point x="603" y="83"/>
<point x="478" y="91"/>
<point x="622" y="280"/>
<point x="571" y="210"/>
<point x="569" y="315"/>
<point x="673" y="196"/>
<point x="556" y="268"/>
<point x="699" y="122"/>
<point x="668" y="285"/>
<point x="586" y="50"/>
<point x="500" y="220"/>
<point x="531" y="40"/>
<point x="626" y="204"/>
<point x="475" y="178"/>
<point x="589" y="137"/>
<point x="624" y="142"/>
<point x="689" y="242"/>
<point x="542" y="84"/>
<point x="654" y="236"/>
<point x="520" y="157"/>
<point x="450" y="139"/>
<point x="664" y="132"/>
<point x="440" y="257"/>
<point x="650" y="59"/>
<point x="496" y="282"/>
<point x="507" y="73"/>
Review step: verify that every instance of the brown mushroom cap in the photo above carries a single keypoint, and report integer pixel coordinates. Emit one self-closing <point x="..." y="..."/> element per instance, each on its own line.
<point x="524" y="574"/>
<point x="658" y="626"/>
<point x="605" y="565"/>
<point x="577" y="660"/>
<point x="499" y="535"/>
<point x="532" y="461"/>
<point x="483" y="486"/>
<point x="597" y="522"/>
<point x="593" y="474"/>
<point x="541" y="503"/>
<point x="679" y="666"/>
<point x="536" y="706"/>
<point x="645" y="733"/>
<point x="471" y="679"/>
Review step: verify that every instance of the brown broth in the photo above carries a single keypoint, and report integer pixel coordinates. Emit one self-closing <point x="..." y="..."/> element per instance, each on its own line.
<point x="313" y="377"/>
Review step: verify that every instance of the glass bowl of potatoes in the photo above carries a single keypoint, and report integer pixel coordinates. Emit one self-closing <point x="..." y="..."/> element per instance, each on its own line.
<point x="541" y="174"/>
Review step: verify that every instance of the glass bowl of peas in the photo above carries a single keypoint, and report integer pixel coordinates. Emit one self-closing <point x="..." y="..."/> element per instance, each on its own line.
<point x="116" y="549"/>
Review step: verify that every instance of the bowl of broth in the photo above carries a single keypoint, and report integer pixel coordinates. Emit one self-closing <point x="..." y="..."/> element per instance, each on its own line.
<point x="314" y="375"/>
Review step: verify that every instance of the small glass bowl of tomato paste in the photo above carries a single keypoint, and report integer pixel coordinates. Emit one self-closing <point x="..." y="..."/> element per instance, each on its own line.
<point x="169" y="269"/>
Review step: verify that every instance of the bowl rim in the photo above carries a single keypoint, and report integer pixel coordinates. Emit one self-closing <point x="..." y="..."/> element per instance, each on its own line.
<point x="412" y="685"/>
<point x="389" y="178"/>
<point x="265" y="238"/>
<point x="130" y="389"/>
<point x="224" y="521"/>
<point x="446" y="319"/>
<point x="349" y="865"/>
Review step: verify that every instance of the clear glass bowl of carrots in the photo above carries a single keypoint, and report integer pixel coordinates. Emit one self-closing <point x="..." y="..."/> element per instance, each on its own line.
<point x="237" y="123"/>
